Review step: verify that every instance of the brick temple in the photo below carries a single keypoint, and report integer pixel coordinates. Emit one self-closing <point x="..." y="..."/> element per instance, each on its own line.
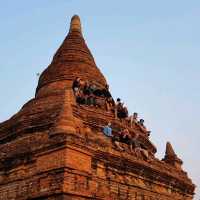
<point x="54" y="148"/>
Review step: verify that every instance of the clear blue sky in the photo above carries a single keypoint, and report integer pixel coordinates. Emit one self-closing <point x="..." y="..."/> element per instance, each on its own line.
<point x="148" y="51"/>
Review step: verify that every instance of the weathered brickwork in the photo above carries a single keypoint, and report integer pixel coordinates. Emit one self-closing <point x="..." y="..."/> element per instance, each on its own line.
<point x="53" y="149"/>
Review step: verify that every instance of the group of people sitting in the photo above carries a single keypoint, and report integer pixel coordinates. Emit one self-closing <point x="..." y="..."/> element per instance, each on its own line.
<point x="89" y="94"/>
<point x="132" y="141"/>
<point x="133" y="119"/>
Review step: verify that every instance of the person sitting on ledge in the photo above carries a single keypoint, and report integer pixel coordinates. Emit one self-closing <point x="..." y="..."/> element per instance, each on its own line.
<point x="144" y="152"/>
<point x="126" y="138"/>
<point x="118" y="102"/>
<point x="93" y="87"/>
<point x="76" y="84"/>
<point x="122" y="111"/>
<point x="106" y="92"/>
<point x="88" y="93"/>
<point x="118" y="106"/>
<point x="116" y="141"/>
<point x="97" y="92"/>
<point x="133" y="119"/>
<point x="141" y="122"/>
<point x="143" y="127"/>
<point x="99" y="102"/>
<point x="80" y="99"/>
<point x="125" y="112"/>
<point x="136" y="143"/>
<point x="82" y="84"/>
<point x="86" y="89"/>
<point x="139" y="148"/>
<point x="110" y="104"/>
<point x="107" y="130"/>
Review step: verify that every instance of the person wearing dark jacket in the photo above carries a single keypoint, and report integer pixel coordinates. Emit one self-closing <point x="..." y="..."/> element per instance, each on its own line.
<point x="76" y="84"/>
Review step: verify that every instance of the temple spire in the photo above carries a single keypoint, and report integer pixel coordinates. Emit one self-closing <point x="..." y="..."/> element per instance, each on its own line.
<point x="75" y="24"/>
<point x="169" y="150"/>
<point x="171" y="157"/>
<point x="72" y="59"/>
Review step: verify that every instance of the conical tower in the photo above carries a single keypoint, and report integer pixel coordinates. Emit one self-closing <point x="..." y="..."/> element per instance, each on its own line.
<point x="171" y="158"/>
<point x="54" y="148"/>
<point x="72" y="59"/>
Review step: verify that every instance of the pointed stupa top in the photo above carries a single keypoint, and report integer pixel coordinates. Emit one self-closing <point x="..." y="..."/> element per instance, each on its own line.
<point x="169" y="150"/>
<point x="75" y="24"/>
<point x="171" y="157"/>
<point x="73" y="59"/>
